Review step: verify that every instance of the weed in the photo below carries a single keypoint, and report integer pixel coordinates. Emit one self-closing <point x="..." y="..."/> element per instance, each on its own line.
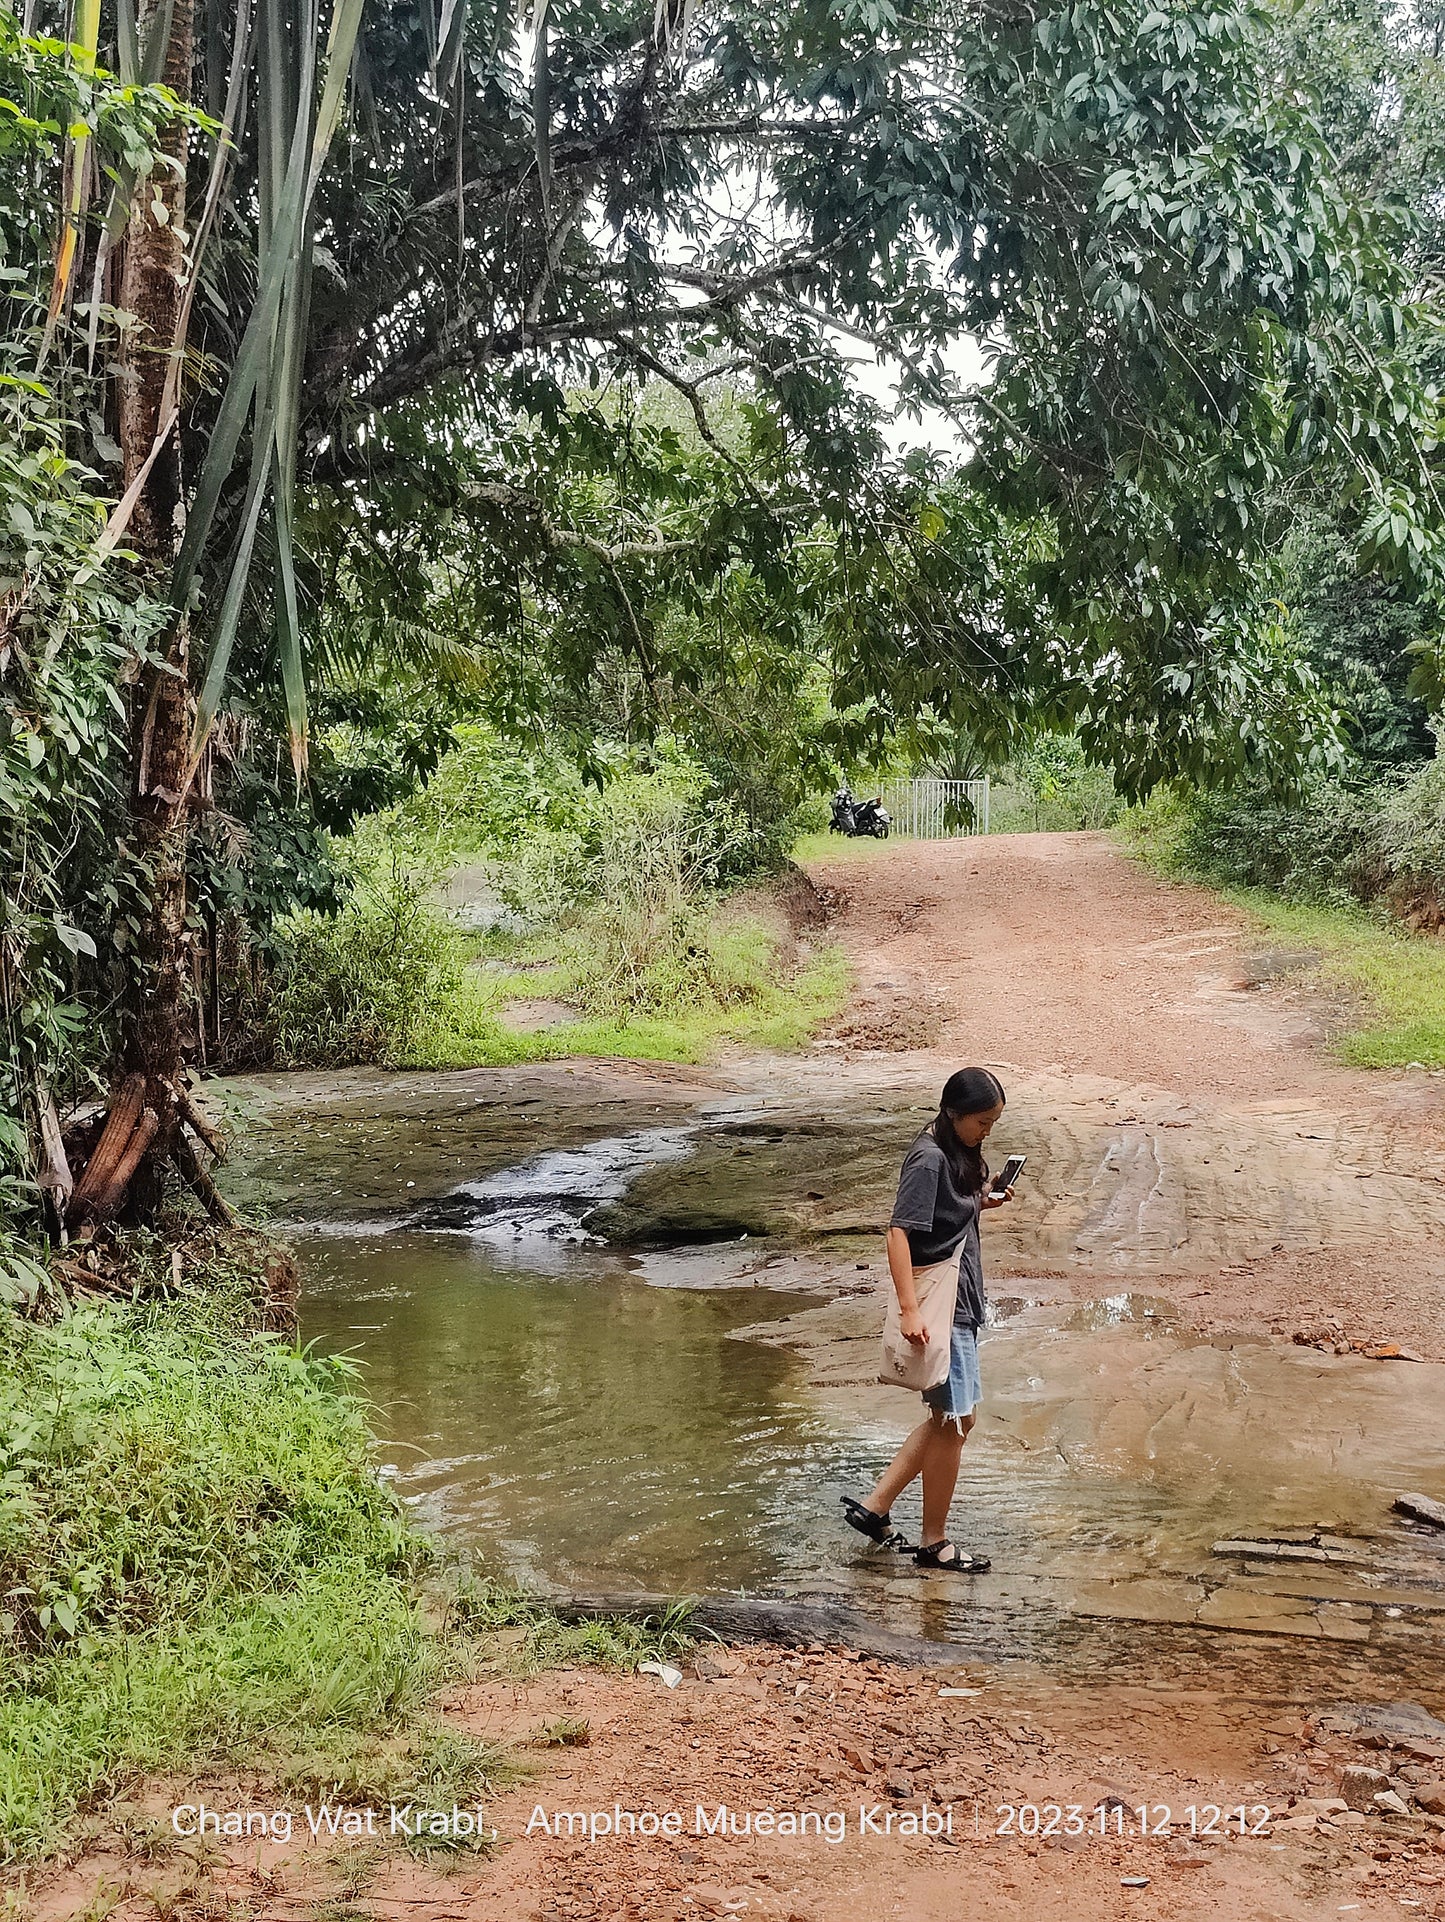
<point x="483" y="1606"/>
<point x="195" y="1549"/>
<point x="358" y="986"/>
<point x="428" y="1765"/>
<point x="568" y="1731"/>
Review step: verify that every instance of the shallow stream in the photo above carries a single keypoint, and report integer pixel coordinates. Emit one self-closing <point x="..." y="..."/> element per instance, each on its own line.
<point x="546" y="1284"/>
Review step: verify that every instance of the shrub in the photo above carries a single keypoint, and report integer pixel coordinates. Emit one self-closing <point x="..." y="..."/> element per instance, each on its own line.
<point x="360" y="986"/>
<point x="633" y="891"/>
<point x="1413" y="826"/>
<point x="1324" y="845"/>
<point x="1051" y="786"/>
<point x="1376" y="839"/>
<point x="195" y="1551"/>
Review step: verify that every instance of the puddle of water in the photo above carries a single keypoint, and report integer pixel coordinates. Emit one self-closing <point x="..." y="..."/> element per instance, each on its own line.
<point x="1107" y="1311"/>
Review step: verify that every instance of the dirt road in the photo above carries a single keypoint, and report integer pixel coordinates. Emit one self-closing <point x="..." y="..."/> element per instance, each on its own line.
<point x="1166" y="1067"/>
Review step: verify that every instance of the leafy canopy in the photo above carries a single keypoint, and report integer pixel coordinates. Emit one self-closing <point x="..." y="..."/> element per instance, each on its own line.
<point x="1184" y="313"/>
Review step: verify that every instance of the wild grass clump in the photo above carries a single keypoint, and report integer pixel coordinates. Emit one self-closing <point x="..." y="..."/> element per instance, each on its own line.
<point x="618" y="905"/>
<point x="783" y="1012"/>
<point x="539" y="1638"/>
<point x="359" y="987"/>
<point x="630" y="895"/>
<point x="427" y="1765"/>
<point x="195" y="1551"/>
<point x="624" y="920"/>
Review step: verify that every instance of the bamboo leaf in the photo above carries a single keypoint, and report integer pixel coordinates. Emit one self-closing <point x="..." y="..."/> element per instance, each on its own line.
<point x="288" y="632"/>
<point x="256" y="350"/>
<point x="153" y="53"/>
<point x="341" y="45"/>
<point x="268" y="367"/>
<point x="127" y="42"/>
<point x="286" y="375"/>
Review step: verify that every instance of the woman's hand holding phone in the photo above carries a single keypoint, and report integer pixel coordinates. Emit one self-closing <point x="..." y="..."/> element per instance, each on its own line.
<point x="993" y="1198"/>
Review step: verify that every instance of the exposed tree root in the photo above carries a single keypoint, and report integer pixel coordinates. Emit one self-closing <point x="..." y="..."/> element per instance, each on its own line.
<point x="145" y="1126"/>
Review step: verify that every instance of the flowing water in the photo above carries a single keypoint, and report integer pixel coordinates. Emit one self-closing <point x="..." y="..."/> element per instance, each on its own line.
<point x="620" y="1345"/>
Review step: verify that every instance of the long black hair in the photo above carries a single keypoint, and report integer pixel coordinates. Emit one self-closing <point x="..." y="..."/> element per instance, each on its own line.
<point x="968" y="1091"/>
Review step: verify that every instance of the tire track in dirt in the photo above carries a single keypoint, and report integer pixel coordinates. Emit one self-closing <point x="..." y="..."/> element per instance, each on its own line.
<point x="1166" y="1074"/>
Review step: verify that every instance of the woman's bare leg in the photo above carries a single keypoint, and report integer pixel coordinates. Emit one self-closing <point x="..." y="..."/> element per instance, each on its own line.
<point x="940" y="1473"/>
<point x="932" y="1450"/>
<point x="906" y="1466"/>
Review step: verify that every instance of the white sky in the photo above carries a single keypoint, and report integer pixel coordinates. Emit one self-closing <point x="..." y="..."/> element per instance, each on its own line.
<point x="880" y="379"/>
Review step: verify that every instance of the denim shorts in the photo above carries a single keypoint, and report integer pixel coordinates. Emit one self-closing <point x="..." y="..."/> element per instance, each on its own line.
<point x="961" y="1392"/>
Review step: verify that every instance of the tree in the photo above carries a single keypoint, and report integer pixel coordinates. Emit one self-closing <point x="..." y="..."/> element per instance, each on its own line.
<point x="1374" y="75"/>
<point x="431" y="342"/>
<point x="71" y="630"/>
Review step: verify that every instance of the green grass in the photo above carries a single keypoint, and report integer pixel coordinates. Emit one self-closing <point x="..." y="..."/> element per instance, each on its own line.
<point x="1397" y="976"/>
<point x="537" y="1638"/>
<point x="770" y="1011"/>
<point x="427" y="1764"/>
<point x="195" y="1551"/>
<point x="824" y="846"/>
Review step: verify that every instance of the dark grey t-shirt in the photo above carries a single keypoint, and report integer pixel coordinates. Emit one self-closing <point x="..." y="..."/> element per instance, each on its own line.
<point x="938" y="1216"/>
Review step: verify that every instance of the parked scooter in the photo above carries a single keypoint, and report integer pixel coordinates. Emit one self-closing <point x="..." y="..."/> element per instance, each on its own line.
<point x="859" y="817"/>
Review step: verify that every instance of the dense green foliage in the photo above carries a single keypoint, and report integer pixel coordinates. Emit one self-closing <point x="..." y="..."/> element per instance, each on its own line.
<point x="195" y="1549"/>
<point x="1376" y="75"/>
<point x="1181" y="297"/>
<point x="361" y="985"/>
<point x="1373" y="832"/>
<point x="610" y="900"/>
<point x="1372" y="841"/>
<point x="71" y="632"/>
<point x="1050" y="784"/>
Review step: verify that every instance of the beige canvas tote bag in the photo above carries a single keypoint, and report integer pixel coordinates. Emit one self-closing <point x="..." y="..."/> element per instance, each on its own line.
<point x="904" y="1365"/>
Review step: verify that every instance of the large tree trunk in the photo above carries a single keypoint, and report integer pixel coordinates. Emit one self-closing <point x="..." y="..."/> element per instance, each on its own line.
<point x="158" y="1036"/>
<point x="159" y="1018"/>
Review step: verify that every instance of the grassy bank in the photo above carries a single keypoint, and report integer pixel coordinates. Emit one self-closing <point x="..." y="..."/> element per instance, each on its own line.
<point x="195" y="1549"/>
<point x="668" y="979"/>
<point x="1395" y="976"/>
<point x="777" y="1006"/>
<point x="201" y="1565"/>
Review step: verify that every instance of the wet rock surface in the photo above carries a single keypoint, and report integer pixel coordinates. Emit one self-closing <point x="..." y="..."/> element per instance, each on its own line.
<point x="1134" y="1481"/>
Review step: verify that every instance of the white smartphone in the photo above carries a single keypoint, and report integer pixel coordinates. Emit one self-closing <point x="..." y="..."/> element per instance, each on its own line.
<point x="1009" y="1173"/>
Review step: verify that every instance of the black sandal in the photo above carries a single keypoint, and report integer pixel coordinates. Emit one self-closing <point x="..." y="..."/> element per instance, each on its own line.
<point x="948" y="1556"/>
<point x="878" y="1528"/>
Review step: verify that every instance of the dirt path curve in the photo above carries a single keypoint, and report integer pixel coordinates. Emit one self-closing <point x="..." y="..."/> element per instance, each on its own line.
<point x="1058" y="954"/>
<point x="1167" y="1075"/>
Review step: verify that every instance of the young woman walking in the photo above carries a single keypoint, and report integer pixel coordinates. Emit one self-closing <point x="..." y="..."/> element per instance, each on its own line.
<point x="942" y="1189"/>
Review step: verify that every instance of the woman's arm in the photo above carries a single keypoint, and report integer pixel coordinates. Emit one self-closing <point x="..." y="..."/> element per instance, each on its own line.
<point x="900" y="1266"/>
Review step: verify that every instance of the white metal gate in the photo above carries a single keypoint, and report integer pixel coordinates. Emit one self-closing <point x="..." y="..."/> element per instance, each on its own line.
<point x="931" y="810"/>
